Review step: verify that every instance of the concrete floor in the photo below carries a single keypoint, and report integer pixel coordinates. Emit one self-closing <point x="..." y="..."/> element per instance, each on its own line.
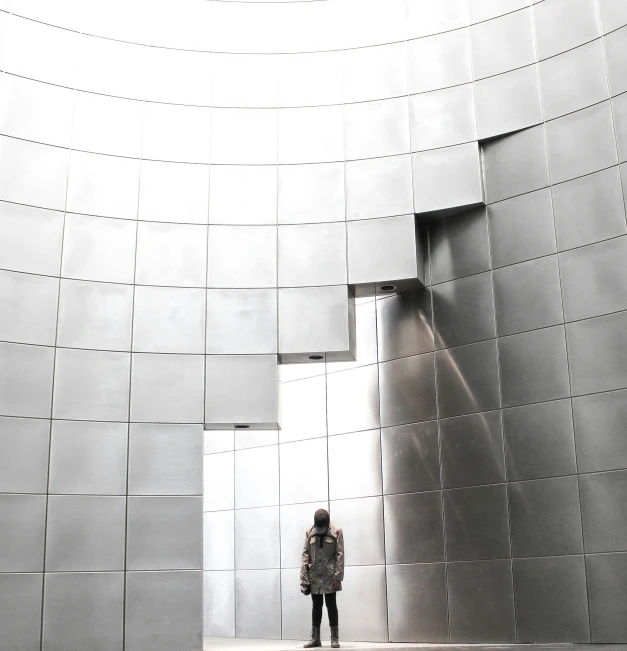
<point x="230" y="644"/>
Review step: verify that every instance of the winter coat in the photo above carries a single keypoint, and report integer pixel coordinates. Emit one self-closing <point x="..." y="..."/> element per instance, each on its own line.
<point x="320" y="567"/>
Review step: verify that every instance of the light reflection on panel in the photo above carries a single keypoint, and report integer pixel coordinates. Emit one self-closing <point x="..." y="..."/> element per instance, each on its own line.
<point x="303" y="409"/>
<point x="219" y="604"/>
<point x="363" y="604"/>
<point x="246" y="80"/>
<point x="425" y="17"/>
<point x="244" y="136"/>
<point x="219" y="481"/>
<point x="311" y="135"/>
<point x="355" y="465"/>
<point x="310" y="79"/>
<point x="258" y="604"/>
<point x="293" y="486"/>
<point x="362" y="520"/>
<point x="252" y="550"/>
<point x="257" y="477"/>
<point x="353" y="400"/>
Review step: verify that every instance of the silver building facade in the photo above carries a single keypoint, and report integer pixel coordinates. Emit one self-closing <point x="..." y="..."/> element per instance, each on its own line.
<point x="194" y="191"/>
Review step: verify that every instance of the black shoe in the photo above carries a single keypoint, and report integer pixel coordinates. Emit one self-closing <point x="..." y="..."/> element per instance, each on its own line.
<point x="335" y="637"/>
<point x="315" y="639"/>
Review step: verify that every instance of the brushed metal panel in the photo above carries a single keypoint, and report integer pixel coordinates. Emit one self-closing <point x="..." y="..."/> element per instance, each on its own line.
<point x="407" y="388"/>
<point x="171" y="254"/>
<point x="589" y="209"/>
<point x="244" y="136"/>
<point x="502" y="44"/>
<point x="165" y="607"/>
<point x="425" y="18"/>
<point x="258" y="604"/>
<point x="169" y="320"/>
<point x="88" y="458"/>
<point x="311" y="193"/>
<point x="311" y="134"/>
<point x="167" y="388"/>
<point x="573" y="80"/>
<point x="363" y="604"/>
<point x="36" y="111"/>
<point x="602" y="506"/>
<point x="527" y="296"/>
<point x="177" y="133"/>
<point x="241" y="321"/>
<point x="228" y="267"/>
<point x="508" y="102"/>
<point x="539" y="440"/>
<point x="22" y="534"/>
<point x="243" y="194"/>
<point x="417" y="608"/>
<point x="563" y="24"/>
<point x="218" y="541"/>
<point x="165" y="459"/>
<point x="33" y="174"/>
<point x="230" y="377"/>
<point x="404" y="325"/>
<point x="257" y="477"/>
<point x="551" y="601"/>
<point x="85" y="533"/>
<point x="459" y="246"/>
<point x="545" y="517"/>
<point x="376" y="128"/>
<point x="292" y="487"/>
<point x="98" y="249"/>
<point x="245" y="80"/>
<point x="110" y="67"/>
<point x="379" y="187"/>
<point x="374" y="72"/>
<point x="363" y="520"/>
<point x="24" y="445"/>
<point x="310" y="78"/>
<point x="83" y="610"/>
<point x="219" y="604"/>
<point x="25" y="380"/>
<point x="515" y="164"/>
<point x="253" y="549"/>
<point x="612" y="13"/>
<point x="600" y="423"/>
<point x="219" y="481"/>
<point x="447" y="178"/>
<point x="29" y="308"/>
<point x="312" y="254"/>
<point x="594" y="279"/>
<point x="219" y="441"/>
<point x="164" y="533"/>
<point x="103" y="185"/>
<point x="30" y="239"/>
<point x="467" y="379"/>
<point x="95" y="315"/>
<point x="522" y="228"/>
<point x="581" y="143"/>
<point x="91" y="385"/>
<point x="413" y="528"/>
<point x="619" y="110"/>
<point x="607" y="583"/>
<point x="616" y="58"/>
<point x="476" y="523"/>
<point x="302" y="397"/>
<point x="481" y="601"/>
<point x="472" y="450"/>
<point x="463" y="311"/>
<point x="355" y="465"/>
<point x="383" y="249"/>
<point x="439" y="61"/>
<point x="107" y="125"/>
<point x="410" y="456"/>
<point x="174" y="192"/>
<point x="365" y="344"/>
<point x="296" y="519"/>
<point x="20" y="611"/>
<point x="21" y="59"/>
<point x="353" y="400"/>
<point x="597" y="354"/>
<point x="442" y="118"/>
<point x="296" y="611"/>
<point x="534" y="366"/>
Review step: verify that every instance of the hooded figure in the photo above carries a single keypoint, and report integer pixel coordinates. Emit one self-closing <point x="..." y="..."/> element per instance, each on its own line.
<point x="322" y="573"/>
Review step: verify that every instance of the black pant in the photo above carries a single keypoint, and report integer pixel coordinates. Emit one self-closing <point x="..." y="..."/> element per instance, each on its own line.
<point x="316" y="613"/>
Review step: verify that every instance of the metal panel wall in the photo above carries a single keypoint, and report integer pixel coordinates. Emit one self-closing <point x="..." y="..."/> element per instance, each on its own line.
<point x="142" y="229"/>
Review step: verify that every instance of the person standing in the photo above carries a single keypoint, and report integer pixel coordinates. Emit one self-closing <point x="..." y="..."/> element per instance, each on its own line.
<point x="322" y="573"/>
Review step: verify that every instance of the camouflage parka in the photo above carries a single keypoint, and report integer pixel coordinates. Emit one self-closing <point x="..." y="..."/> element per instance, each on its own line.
<point x="321" y="566"/>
